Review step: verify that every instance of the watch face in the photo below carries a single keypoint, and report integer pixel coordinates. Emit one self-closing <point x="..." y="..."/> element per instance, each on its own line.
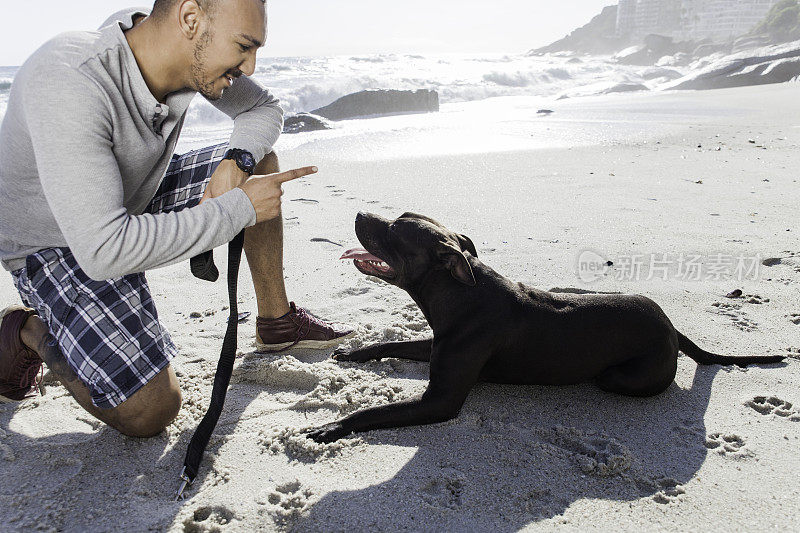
<point x="247" y="160"/>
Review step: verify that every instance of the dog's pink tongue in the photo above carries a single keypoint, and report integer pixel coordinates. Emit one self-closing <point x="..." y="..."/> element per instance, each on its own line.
<point x="361" y="254"/>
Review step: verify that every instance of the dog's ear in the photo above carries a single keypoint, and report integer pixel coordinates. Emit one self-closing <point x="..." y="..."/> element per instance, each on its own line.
<point x="454" y="260"/>
<point x="466" y="244"/>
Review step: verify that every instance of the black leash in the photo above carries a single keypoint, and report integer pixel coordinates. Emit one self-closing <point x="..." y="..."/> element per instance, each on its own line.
<point x="203" y="267"/>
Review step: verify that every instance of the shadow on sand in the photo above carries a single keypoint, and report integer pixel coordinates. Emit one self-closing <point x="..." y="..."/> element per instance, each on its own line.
<point x="514" y="456"/>
<point x="501" y="467"/>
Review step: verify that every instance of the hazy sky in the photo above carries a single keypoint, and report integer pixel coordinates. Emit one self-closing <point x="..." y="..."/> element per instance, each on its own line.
<point x="329" y="27"/>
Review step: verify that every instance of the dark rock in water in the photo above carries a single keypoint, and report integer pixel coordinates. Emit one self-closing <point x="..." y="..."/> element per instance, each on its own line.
<point x="771" y="64"/>
<point x="302" y="122"/>
<point x="380" y="102"/>
<point x="545" y="111"/>
<point x="625" y="88"/>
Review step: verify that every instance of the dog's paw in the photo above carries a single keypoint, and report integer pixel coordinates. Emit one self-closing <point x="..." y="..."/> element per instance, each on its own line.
<point x="355" y="356"/>
<point x="327" y="433"/>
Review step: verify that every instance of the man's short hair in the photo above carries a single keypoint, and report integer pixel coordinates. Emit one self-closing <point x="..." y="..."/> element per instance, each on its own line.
<point x="161" y="8"/>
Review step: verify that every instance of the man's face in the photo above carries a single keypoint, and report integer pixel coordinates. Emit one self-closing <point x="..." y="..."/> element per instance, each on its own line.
<point x="226" y="46"/>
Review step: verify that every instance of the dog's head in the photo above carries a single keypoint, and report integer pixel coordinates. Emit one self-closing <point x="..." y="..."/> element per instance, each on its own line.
<point x="403" y="251"/>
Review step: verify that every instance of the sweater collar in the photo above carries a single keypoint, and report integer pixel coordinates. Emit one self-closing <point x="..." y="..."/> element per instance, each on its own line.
<point x="157" y="112"/>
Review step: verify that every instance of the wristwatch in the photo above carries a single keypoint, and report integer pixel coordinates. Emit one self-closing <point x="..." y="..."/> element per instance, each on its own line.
<point x="244" y="159"/>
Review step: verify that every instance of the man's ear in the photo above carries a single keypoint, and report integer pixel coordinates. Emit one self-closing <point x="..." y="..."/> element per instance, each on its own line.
<point x="189" y="14"/>
<point x="466" y="244"/>
<point x="456" y="262"/>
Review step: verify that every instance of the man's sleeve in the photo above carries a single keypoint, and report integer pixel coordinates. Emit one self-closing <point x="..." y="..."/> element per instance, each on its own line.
<point x="257" y="116"/>
<point x="70" y="128"/>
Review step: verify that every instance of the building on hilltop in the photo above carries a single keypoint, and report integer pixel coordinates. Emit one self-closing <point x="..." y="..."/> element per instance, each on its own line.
<point x="717" y="20"/>
<point x="722" y="20"/>
<point x="638" y="18"/>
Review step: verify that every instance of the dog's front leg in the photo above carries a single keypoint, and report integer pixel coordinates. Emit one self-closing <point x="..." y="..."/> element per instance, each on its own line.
<point x="453" y="374"/>
<point x="412" y="350"/>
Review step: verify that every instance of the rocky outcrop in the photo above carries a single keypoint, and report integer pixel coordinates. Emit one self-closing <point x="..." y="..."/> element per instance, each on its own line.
<point x="597" y="37"/>
<point x="653" y="73"/>
<point x="655" y="47"/>
<point x="625" y="88"/>
<point x="380" y="102"/>
<point x="770" y="64"/>
<point x="707" y="49"/>
<point x="303" y="122"/>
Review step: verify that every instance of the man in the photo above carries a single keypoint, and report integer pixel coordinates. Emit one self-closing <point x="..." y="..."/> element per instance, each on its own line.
<point x="91" y="196"/>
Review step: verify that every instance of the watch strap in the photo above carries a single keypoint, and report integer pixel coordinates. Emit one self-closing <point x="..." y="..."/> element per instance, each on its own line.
<point x="238" y="155"/>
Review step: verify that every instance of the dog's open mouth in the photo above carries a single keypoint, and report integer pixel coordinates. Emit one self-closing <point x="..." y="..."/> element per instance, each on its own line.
<point x="369" y="264"/>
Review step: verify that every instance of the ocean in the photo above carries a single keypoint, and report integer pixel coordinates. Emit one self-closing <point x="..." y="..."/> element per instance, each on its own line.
<point x="307" y="83"/>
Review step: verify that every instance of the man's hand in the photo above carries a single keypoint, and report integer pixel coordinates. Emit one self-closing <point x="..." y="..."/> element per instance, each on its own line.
<point x="265" y="191"/>
<point x="226" y="177"/>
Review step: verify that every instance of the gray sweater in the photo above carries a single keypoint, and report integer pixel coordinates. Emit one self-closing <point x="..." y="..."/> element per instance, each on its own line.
<point x="84" y="146"/>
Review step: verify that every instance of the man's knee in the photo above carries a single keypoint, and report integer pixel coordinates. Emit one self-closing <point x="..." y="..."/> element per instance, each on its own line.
<point x="151" y="409"/>
<point x="268" y="165"/>
<point x="152" y="422"/>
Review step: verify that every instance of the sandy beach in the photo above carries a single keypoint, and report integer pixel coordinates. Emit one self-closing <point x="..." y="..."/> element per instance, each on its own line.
<point x="661" y="177"/>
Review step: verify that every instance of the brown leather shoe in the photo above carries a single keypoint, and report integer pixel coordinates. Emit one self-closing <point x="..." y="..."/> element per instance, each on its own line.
<point x="19" y="365"/>
<point x="297" y="328"/>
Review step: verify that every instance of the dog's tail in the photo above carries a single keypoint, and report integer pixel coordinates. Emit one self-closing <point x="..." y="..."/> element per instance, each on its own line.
<point x="703" y="357"/>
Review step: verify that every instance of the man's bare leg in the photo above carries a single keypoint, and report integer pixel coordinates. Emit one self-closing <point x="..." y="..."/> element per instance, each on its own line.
<point x="145" y="414"/>
<point x="263" y="246"/>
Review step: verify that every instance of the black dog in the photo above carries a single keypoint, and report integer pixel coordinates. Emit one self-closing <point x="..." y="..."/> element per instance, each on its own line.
<point x="488" y="328"/>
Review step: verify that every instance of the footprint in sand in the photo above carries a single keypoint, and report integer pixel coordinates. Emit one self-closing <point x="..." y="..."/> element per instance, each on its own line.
<point x="735" y="313"/>
<point x="772" y="405"/>
<point x="444" y="491"/>
<point x="285" y="372"/>
<point x="794" y="318"/>
<point x="688" y="431"/>
<point x="539" y="502"/>
<point x="727" y="445"/>
<point x="412" y="319"/>
<point x="594" y="453"/>
<point x="787" y="258"/>
<point x="754" y="299"/>
<point x="289" y="501"/>
<point x="297" y="447"/>
<point x="671" y="491"/>
<point x="354" y="291"/>
<point x="208" y="519"/>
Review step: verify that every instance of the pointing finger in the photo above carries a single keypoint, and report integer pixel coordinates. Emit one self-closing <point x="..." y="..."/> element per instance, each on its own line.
<point x="290" y="175"/>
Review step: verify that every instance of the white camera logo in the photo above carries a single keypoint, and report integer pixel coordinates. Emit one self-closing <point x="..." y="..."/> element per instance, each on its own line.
<point x="591" y="266"/>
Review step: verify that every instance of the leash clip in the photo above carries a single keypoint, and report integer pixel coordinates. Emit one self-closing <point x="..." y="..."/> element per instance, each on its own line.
<point x="185" y="482"/>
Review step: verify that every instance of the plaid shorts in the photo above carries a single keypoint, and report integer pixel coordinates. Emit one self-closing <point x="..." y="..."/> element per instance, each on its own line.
<point x="109" y="330"/>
